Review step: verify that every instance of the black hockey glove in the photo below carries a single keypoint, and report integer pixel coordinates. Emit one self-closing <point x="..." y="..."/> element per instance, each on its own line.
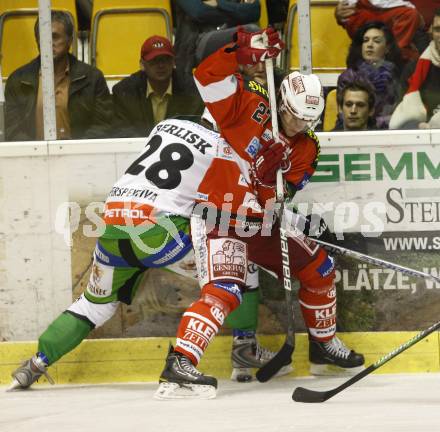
<point x="316" y="227"/>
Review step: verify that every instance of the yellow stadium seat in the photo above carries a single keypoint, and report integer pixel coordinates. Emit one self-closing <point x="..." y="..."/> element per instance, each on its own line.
<point x="330" y="41"/>
<point x="17" y="40"/>
<point x="119" y="27"/>
<point x="331" y="111"/>
<point x="264" y="18"/>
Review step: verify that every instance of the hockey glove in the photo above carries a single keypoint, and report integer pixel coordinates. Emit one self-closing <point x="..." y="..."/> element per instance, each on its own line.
<point x="256" y="47"/>
<point x="316" y="227"/>
<point x="267" y="162"/>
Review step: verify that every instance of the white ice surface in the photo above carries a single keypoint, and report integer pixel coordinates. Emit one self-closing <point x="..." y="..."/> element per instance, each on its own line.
<point x="378" y="403"/>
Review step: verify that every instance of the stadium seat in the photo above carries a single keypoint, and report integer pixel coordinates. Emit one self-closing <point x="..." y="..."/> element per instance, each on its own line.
<point x="119" y="27"/>
<point x="264" y="18"/>
<point x="330" y="41"/>
<point x="17" y="40"/>
<point x="331" y="111"/>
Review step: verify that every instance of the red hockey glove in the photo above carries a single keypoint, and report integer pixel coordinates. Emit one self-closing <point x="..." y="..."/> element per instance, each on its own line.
<point x="258" y="46"/>
<point x="267" y="162"/>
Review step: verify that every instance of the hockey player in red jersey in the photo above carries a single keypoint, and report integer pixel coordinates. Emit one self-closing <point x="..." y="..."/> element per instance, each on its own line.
<point x="241" y="110"/>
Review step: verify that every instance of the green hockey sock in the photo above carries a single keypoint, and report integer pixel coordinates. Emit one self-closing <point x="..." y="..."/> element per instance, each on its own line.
<point x="245" y="317"/>
<point x="62" y="336"/>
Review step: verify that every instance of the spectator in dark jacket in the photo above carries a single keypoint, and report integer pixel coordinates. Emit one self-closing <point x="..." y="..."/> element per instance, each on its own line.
<point x="152" y="94"/>
<point x="82" y="99"/>
<point x="356" y="101"/>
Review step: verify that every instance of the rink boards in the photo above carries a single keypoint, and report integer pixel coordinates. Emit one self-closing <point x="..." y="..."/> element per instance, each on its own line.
<point x="142" y="359"/>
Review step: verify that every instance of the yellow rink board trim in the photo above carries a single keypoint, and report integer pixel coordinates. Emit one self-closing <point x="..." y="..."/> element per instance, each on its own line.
<point x="142" y="359"/>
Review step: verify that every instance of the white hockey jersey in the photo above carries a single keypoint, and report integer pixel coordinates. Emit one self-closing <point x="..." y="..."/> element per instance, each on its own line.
<point x="168" y="176"/>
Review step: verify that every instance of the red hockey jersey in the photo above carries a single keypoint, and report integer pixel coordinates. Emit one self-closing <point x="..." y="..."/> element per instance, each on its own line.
<point x="242" y="112"/>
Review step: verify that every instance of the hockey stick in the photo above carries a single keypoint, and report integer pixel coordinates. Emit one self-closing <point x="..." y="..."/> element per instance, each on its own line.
<point x="332" y="248"/>
<point x="284" y="355"/>
<point x="302" y="394"/>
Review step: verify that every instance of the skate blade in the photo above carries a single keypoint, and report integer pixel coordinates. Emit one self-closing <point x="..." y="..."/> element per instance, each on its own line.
<point x="170" y="391"/>
<point x="332" y="370"/>
<point x="15" y="385"/>
<point x="246" y="375"/>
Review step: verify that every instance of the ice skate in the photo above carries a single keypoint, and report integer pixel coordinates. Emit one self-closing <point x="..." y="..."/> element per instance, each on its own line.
<point x="333" y="358"/>
<point x="247" y="354"/>
<point x="181" y="380"/>
<point x="29" y="372"/>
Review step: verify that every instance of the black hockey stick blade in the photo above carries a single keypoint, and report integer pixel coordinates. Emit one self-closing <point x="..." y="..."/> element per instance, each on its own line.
<point x="302" y="394"/>
<point x="282" y="358"/>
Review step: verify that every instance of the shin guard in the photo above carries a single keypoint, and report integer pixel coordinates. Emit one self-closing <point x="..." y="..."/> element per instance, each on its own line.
<point x="203" y="319"/>
<point x="318" y="307"/>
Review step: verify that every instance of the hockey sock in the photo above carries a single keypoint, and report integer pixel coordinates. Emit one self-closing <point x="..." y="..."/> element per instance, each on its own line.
<point x="318" y="307"/>
<point x="245" y="317"/>
<point x="203" y="319"/>
<point x="62" y="336"/>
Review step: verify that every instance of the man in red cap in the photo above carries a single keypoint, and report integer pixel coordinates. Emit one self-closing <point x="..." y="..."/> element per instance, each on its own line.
<point x="151" y="94"/>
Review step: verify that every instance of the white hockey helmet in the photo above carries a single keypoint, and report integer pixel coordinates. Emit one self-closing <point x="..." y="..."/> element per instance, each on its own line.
<point x="302" y="96"/>
<point x="207" y="117"/>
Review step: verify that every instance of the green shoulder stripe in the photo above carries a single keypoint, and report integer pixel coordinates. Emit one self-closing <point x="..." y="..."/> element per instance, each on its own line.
<point x="315" y="139"/>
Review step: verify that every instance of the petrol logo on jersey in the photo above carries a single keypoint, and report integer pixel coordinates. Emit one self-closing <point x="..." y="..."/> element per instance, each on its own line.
<point x="253" y="147"/>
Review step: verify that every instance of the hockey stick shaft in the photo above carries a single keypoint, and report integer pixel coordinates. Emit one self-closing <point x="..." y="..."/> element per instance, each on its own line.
<point x="283" y="356"/>
<point x="272" y="102"/>
<point x="302" y="394"/>
<point x="376" y="261"/>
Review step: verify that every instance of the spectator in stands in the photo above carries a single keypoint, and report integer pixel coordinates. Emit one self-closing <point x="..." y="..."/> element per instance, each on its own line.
<point x="195" y="17"/>
<point x="82" y="99"/>
<point x="420" y="107"/>
<point x="356" y="101"/>
<point x="152" y="94"/>
<point x="425" y="8"/>
<point x="400" y="15"/>
<point x="375" y="56"/>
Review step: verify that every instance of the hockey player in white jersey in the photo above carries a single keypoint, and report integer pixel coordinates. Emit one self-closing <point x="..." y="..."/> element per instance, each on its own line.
<point x="147" y="226"/>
